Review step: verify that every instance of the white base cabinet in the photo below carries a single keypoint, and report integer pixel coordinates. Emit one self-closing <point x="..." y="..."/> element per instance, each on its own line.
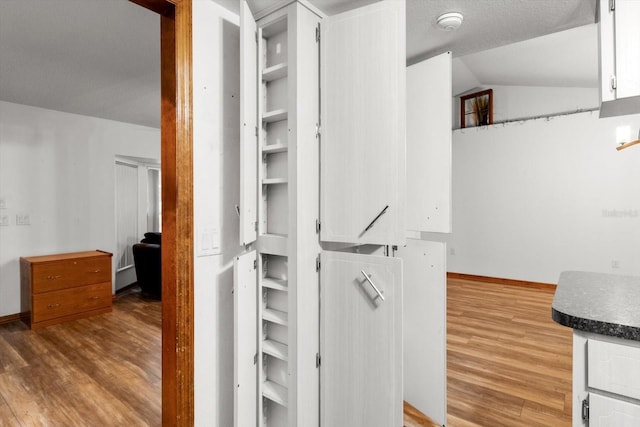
<point x="606" y="381"/>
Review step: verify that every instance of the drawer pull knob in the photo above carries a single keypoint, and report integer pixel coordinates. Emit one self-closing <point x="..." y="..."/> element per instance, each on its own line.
<point x="54" y="277"/>
<point x="50" y="306"/>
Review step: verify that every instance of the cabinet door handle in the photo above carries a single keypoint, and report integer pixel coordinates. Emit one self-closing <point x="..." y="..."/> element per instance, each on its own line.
<point x="54" y="277"/>
<point x="375" y="288"/>
<point x="376" y="218"/>
<point x="50" y="306"/>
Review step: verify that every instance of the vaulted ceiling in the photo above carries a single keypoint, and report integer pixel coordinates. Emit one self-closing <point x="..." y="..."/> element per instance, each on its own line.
<point x="101" y="57"/>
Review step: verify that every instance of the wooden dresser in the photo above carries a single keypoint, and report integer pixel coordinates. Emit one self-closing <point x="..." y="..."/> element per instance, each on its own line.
<point x="57" y="288"/>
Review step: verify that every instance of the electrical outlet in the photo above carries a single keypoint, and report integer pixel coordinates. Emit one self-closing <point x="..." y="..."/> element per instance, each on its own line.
<point x="4" y="220"/>
<point x="23" y="219"/>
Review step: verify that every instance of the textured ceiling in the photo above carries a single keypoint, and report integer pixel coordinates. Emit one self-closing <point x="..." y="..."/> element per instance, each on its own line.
<point x="101" y="57"/>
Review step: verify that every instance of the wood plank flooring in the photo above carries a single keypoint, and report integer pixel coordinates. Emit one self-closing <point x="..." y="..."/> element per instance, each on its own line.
<point x="100" y="371"/>
<point x="509" y="364"/>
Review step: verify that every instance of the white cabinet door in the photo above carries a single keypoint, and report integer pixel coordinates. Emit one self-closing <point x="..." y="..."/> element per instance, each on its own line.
<point x="425" y="327"/>
<point x="248" y="124"/>
<point x="363" y="106"/>
<point x="607" y="412"/>
<point x="245" y="338"/>
<point x="627" y="40"/>
<point x="360" y="340"/>
<point x="429" y="101"/>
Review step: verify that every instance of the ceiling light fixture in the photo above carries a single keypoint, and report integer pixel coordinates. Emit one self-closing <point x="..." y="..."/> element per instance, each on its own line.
<point x="450" y="21"/>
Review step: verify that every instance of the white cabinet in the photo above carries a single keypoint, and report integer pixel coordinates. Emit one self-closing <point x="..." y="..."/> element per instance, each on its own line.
<point x="606" y="381"/>
<point x="619" y="38"/>
<point x="282" y="194"/>
<point x="361" y="340"/>
<point x="363" y="125"/>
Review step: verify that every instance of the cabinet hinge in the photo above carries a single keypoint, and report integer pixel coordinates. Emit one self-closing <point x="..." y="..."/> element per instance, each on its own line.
<point x="317" y="226"/>
<point x="318" y="263"/>
<point x="255" y="358"/>
<point x="614" y="83"/>
<point x="256" y="34"/>
<point x="256" y="130"/>
<point x="317" y="130"/>
<point x="318" y="360"/>
<point x="612" y="5"/>
<point x="255" y="263"/>
<point x="255" y="226"/>
<point x="585" y="410"/>
<point x="318" y="34"/>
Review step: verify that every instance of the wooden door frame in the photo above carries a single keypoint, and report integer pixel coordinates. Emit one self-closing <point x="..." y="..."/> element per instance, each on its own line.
<point x="177" y="209"/>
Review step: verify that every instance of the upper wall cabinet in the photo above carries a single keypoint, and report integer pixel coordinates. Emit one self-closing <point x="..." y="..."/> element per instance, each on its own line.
<point x="619" y="39"/>
<point x="363" y="106"/>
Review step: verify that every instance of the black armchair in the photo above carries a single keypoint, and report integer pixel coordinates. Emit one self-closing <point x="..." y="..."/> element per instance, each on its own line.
<point x="147" y="257"/>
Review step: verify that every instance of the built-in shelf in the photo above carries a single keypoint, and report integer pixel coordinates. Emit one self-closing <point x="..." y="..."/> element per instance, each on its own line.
<point x="277" y="284"/>
<point x="627" y="145"/>
<point x="270" y="181"/>
<point x="274" y="116"/>
<point x="274" y="72"/>
<point x="275" y="392"/>
<point x="275" y="148"/>
<point x="275" y="316"/>
<point x="273" y="244"/>
<point x="275" y="349"/>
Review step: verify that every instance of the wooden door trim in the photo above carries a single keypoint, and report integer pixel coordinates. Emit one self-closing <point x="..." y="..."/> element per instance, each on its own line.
<point x="177" y="209"/>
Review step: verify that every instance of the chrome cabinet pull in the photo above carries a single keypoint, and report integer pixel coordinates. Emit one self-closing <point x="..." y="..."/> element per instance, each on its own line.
<point x="376" y="218"/>
<point x="375" y="288"/>
<point x="54" y="277"/>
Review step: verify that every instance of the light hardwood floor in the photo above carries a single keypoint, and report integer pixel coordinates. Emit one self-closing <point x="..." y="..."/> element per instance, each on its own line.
<point x="100" y="371"/>
<point x="509" y="364"/>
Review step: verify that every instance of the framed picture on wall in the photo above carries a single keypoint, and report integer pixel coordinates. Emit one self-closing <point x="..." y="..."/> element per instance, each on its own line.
<point x="476" y="109"/>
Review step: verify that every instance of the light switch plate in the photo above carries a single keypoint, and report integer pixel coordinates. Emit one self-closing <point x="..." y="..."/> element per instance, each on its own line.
<point x="23" y="219"/>
<point x="208" y="242"/>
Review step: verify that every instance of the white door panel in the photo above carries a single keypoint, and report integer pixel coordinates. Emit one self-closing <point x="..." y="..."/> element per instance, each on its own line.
<point x="363" y="125"/>
<point x="248" y="122"/>
<point x="360" y="340"/>
<point x="245" y="340"/>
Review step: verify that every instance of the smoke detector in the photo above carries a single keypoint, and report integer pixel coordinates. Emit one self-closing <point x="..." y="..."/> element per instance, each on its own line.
<point x="450" y="21"/>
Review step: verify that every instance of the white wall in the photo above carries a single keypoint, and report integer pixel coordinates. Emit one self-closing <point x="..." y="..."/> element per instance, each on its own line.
<point x="518" y="102"/>
<point x="216" y="130"/>
<point x="60" y="169"/>
<point x="535" y="198"/>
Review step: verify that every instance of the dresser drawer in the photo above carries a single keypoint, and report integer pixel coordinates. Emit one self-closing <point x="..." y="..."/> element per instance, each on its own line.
<point x="64" y="274"/>
<point x="66" y="302"/>
<point x="614" y="368"/>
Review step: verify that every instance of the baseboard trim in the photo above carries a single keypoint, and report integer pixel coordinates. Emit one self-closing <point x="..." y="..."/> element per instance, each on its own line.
<point x="124" y="289"/>
<point x="501" y="281"/>
<point x="11" y="318"/>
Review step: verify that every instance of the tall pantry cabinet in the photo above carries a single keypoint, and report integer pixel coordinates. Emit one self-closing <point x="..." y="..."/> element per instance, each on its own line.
<point x="318" y="327"/>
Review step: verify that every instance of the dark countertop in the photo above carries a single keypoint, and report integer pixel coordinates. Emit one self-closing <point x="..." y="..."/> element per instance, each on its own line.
<point x="605" y="304"/>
